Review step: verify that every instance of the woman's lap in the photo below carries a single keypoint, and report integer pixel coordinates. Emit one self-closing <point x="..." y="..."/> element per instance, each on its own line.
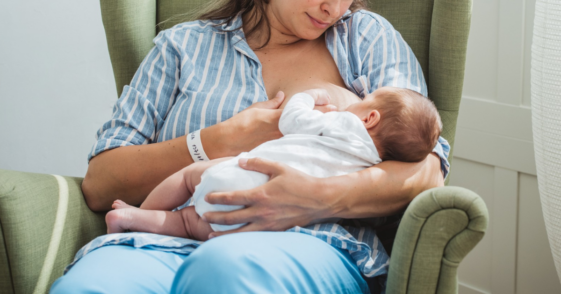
<point x="111" y="269"/>
<point x="239" y="263"/>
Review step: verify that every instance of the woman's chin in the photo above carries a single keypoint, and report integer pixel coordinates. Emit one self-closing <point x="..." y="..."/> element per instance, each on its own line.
<point x="311" y="34"/>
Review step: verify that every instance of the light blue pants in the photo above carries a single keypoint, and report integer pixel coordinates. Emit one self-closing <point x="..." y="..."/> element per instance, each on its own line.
<point x="256" y="262"/>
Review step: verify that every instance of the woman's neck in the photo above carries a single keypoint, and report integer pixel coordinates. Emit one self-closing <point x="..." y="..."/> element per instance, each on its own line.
<point x="276" y="33"/>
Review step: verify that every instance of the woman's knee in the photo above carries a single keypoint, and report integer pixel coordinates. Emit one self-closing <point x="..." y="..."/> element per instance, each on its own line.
<point x="218" y="263"/>
<point x="265" y="262"/>
<point x="120" y="269"/>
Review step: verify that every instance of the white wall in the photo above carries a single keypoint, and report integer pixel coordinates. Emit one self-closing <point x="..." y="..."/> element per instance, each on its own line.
<point x="494" y="154"/>
<point x="56" y="84"/>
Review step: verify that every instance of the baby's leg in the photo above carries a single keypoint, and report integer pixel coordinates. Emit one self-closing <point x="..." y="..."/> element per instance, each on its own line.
<point x="228" y="176"/>
<point x="184" y="223"/>
<point x="178" y="188"/>
<point x="195" y="226"/>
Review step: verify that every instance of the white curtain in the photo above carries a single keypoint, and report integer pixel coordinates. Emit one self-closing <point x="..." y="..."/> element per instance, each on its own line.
<point x="546" y="116"/>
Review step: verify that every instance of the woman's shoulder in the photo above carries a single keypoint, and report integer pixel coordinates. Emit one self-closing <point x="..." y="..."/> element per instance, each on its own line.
<point x="361" y="20"/>
<point x="200" y="26"/>
<point x="180" y="33"/>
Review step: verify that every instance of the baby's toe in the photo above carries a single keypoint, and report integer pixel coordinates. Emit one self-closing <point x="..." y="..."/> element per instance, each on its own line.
<point x="119" y="204"/>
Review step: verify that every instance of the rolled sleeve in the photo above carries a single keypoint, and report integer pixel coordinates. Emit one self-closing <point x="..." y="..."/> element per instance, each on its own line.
<point x="139" y="114"/>
<point x="386" y="59"/>
<point x="442" y="149"/>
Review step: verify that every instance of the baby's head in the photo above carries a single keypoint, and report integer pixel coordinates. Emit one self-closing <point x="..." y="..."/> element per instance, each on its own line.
<point x="403" y="124"/>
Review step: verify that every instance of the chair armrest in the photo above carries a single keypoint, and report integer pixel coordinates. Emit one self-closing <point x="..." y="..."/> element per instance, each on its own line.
<point x="44" y="220"/>
<point x="439" y="228"/>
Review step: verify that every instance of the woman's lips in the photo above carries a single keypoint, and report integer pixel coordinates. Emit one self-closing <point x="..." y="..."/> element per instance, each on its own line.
<point x="318" y="24"/>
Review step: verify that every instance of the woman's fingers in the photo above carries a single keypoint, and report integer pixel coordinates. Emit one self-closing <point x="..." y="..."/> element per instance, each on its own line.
<point x="240" y="216"/>
<point x="230" y="198"/>
<point x="263" y="166"/>
<point x="276" y="205"/>
<point x="274" y="103"/>
<point x="280" y="96"/>
<point x="247" y="130"/>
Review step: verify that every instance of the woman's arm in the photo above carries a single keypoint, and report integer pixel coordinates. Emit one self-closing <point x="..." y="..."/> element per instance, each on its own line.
<point x="124" y="162"/>
<point x="382" y="190"/>
<point x="292" y="198"/>
<point x="129" y="173"/>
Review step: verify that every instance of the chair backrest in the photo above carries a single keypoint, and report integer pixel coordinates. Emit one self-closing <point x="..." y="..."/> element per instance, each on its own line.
<point x="436" y="30"/>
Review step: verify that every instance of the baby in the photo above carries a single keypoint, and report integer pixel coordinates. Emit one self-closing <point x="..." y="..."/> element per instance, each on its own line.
<point x="388" y="124"/>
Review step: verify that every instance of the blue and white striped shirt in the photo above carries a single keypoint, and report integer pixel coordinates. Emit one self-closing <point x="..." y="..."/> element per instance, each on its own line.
<point x="201" y="73"/>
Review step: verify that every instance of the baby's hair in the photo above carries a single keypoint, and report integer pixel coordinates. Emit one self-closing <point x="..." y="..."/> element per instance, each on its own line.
<point x="409" y="127"/>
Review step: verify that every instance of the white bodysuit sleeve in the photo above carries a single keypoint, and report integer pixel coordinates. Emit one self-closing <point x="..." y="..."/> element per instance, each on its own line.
<point x="299" y="116"/>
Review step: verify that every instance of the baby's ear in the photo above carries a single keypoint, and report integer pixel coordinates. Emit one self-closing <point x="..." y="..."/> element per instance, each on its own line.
<point x="372" y="119"/>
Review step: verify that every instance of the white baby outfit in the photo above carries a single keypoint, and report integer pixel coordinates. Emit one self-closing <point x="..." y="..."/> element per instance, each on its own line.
<point x="319" y="144"/>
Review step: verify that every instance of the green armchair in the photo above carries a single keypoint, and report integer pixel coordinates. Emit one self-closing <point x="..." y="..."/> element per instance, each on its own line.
<point x="44" y="219"/>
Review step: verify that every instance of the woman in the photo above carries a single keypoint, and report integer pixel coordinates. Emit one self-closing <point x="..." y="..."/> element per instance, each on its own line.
<point x="199" y="76"/>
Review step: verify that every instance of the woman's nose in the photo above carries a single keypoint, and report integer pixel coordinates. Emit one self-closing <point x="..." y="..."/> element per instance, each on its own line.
<point x="331" y="8"/>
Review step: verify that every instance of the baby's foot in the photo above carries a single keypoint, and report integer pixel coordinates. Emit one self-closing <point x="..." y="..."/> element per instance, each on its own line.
<point x="119" y="204"/>
<point x="120" y="219"/>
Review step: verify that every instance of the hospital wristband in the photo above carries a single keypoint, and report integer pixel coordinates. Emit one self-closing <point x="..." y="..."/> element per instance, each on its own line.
<point x="196" y="146"/>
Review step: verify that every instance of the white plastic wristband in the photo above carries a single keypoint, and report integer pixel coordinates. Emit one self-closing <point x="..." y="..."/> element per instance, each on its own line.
<point x="196" y="146"/>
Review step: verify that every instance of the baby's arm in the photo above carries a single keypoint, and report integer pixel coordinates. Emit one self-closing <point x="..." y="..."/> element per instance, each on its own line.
<point x="299" y="116"/>
<point x="178" y="188"/>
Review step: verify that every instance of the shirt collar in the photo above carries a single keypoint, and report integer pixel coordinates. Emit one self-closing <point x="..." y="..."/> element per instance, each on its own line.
<point x="238" y="37"/>
<point x="343" y="18"/>
<point x="234" y="24"/>
<point x="237" y="22"/>
<point x="235" y="28"/>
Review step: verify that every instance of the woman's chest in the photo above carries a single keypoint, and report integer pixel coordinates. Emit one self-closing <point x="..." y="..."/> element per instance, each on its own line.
<point x="297" y="69"/>
<point x="222" y="81"/>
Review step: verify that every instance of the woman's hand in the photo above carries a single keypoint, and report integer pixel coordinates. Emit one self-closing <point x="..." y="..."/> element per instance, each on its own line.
<point x="248" y="129"/>
<point x="290" y="198"/>
<point x="244" y="131"/>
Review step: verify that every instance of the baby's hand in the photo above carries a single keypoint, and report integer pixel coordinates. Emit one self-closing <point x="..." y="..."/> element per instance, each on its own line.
<point x="321" y="97"/>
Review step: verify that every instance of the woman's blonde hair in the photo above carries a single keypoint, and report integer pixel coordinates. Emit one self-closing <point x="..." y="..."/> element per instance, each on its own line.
<point x="253" y="10"/>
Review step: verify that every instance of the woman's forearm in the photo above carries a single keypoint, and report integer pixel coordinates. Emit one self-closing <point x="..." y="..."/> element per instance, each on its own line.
<point x="129" y="173"/>
<point x="381" y="190"/>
